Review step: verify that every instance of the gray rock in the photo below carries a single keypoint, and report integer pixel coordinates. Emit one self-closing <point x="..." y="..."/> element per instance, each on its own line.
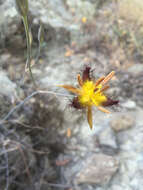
<point x="97" y="169"/>
<point x="60" y="21"/>
<point x="7" y="86"/>
<point x="131" y="159"/>
<point x="107" y="137"/>
<point x="120" y="187"/>
<point x="122" y="122"/>
<point x="82" y="8"/>
<point x="9" y="19"/>
<point x="59" y="16"/>
<point x="136" y="69"/>
<point x="138" y="115"/>
<point x="129" y="104"/>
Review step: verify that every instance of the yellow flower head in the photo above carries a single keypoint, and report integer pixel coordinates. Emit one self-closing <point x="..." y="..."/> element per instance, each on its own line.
<point x="84" y="19"/>
<point x="91" y="93"/>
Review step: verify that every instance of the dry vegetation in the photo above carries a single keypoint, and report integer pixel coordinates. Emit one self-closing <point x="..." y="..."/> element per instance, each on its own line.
<point x="131" y="11"/>
<point x="129" y="25"/>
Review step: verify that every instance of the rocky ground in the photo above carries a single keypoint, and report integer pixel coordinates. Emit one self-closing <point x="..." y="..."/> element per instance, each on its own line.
<point x="44" y="143"/>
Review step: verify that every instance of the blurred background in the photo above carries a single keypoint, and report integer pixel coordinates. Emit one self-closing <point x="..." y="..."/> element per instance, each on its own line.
<point x="47" y="145"/>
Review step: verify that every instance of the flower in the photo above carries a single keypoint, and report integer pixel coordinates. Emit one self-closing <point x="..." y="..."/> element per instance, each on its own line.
<point x="91" y="93"/>
<point x="84" y="19"/>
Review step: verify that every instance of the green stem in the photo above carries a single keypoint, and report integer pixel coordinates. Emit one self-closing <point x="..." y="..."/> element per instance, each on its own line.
<point x="26" y="26"/>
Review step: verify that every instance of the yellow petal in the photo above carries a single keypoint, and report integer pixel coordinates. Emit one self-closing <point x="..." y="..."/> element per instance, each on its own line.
<point x="79" y="80"/>
<point x="70" y="88"/>
<point x="89" y="116"/>
<point x="107" y="78"/>
<point x="103" y="109"/>
<point x="98" y="98"/>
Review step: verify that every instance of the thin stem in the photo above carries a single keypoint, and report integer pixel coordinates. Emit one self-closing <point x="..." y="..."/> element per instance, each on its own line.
<point x="7" y="168"/>
<point x="27" y="98"/>
<point x="40" y="41"/>
<point x="59" y="185"/>
<point x="26" y="26"/>
<point x="25" y="163"/>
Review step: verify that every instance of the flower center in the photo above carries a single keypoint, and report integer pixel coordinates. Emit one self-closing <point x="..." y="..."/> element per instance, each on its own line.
<point x="91" y="94"/>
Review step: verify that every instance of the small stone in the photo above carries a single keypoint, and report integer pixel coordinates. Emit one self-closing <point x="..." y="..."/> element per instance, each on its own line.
<point x="107" y="140"/>
<point x="7" y="86"/>
<point x="97" y="169"/>
<point x="5" y="57"/>
<point x="136" y="69"/>
<point x="119" y="187"/>
<point x="129" y="104"/>
<point x="122" y="122"/>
